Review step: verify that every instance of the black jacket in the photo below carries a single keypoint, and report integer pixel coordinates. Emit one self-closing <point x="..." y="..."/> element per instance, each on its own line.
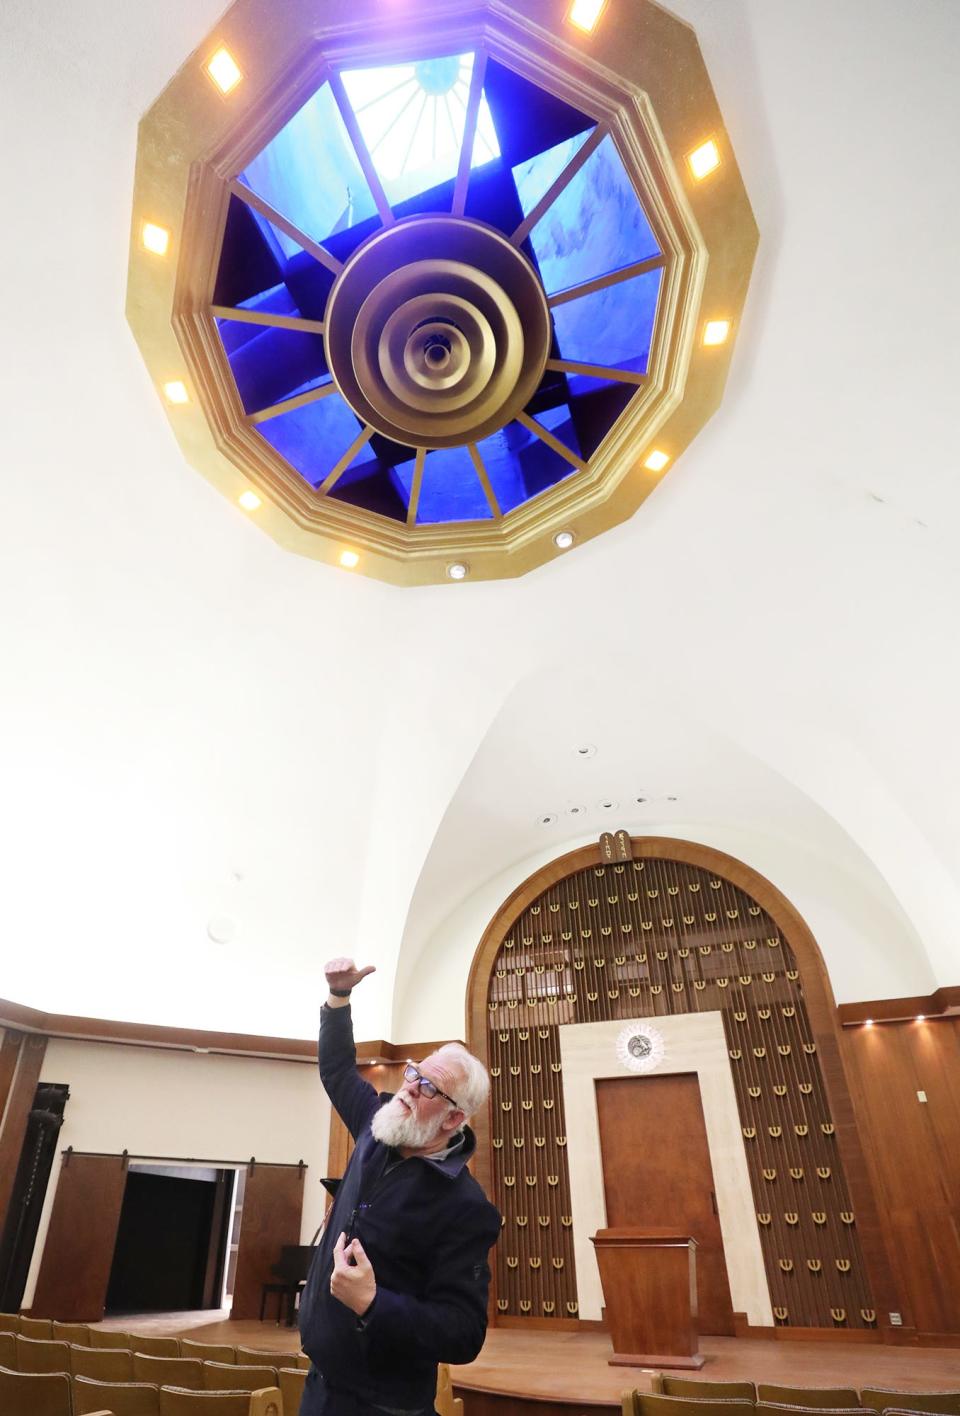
<point x="426" y="1227"/>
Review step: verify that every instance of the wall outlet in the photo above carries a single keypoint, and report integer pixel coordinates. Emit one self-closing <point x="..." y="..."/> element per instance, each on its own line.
<point x="896" y="1320"/>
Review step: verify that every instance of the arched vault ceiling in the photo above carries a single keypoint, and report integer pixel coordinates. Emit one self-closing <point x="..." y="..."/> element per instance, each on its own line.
<point x="195" y="724"/>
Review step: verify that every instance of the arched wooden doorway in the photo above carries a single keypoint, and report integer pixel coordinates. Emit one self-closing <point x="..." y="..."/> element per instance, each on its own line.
<point x="674" y="928"/>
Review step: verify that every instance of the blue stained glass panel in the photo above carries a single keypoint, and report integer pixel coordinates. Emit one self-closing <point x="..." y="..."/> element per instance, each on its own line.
<point x="595" y="226"/>
<point x="310" y="173"/>
<point x="450" y="490"/>
<point x="412" y="117"/>
<point x="612" y="327"/>
<point x="519" y="464"/>
<point x="535" y="177"/>
<point x="314" y="438"/>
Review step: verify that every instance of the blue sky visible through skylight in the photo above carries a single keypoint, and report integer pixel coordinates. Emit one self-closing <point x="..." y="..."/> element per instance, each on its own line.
<point x="310" y="173"/>
<point x="412" y="118"/>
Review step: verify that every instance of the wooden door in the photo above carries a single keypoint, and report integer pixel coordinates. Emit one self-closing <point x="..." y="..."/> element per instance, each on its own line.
<point x="657" y="1173"/>
<point x="78" y="1253"/>
<point x="272" y="1205"/>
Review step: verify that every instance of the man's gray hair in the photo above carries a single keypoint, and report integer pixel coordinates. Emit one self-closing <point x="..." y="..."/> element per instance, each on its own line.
<point x="473" y="1091"/>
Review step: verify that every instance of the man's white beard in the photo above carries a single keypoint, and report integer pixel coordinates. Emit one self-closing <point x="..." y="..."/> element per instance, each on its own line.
<point x="396" y="1125"/>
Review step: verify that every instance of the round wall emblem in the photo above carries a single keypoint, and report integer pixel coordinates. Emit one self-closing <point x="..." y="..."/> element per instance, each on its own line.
<point x="640" y="1047"/>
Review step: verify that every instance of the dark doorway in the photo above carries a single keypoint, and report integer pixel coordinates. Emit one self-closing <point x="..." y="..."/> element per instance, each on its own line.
<point x="29" y="1190"/>
<point x="657" y="1172"/>
<point x="171" y="1241"/>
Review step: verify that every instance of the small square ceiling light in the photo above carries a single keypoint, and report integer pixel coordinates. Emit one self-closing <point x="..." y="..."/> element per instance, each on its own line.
<point x="155" y="238"/>
<point x="224" y="71"/>
<point x="585" y="14"/>
<point x="704" y="159"/>
<point x="349" y="559"/>
<point x="715" y="332"/>
<point x="176" y="391"/>
<point x="657" y="461"/>
<point x="249" y="501"/>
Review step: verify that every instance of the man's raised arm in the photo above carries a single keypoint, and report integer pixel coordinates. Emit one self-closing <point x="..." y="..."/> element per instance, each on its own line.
<point x="354" y="1099"/>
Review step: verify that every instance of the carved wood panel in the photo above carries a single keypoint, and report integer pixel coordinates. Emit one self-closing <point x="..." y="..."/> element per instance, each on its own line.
<point x="647" y="938"/>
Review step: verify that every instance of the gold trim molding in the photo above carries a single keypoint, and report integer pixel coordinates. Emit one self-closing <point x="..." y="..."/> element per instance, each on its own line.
<point x="642" y="77"/>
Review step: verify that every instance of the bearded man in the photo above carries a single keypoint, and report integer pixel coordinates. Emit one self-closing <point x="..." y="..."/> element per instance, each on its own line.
<point x="399" y="1281"/>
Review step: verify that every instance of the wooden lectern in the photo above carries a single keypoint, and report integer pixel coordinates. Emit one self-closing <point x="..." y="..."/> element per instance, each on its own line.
<point x="649" y="1280"/>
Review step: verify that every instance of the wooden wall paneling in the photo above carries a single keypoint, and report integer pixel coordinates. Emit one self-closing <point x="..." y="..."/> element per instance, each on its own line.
<point x="913" y="1149"/>
<point x="9" y="1057"/>
<point x="681" y="928"/>
<point x="78" y="1253"/>
<point x="22" y="1090"/>
<point x="272" y="1207"/>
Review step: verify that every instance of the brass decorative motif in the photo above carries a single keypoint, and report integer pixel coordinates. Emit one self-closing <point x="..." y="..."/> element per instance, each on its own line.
<point x="656" y="986"/>
<point x="786" y="1265"/>
<point x="780" y="1313"/>
<point x="839" y="1315"/>
<point x="814" y="1265"/>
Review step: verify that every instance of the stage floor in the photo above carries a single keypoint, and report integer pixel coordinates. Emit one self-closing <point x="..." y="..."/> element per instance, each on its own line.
<point x="571" y="1367"/>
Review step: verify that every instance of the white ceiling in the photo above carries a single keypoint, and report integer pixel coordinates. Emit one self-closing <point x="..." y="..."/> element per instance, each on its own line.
<point x="196" y="724"/>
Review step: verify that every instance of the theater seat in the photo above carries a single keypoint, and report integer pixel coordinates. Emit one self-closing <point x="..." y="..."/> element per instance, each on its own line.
<point x="834" y="1397"/>
<point x="103" y="1364"/>
<point x="36" y="1354"/>
<point x="156" y="1346"/>
<point x="644" y="1403"/>
<point x="250" y="1357"/>
<point x="119" y="1398"/>
<point x="71" y="1332"/>
<point x="689" y="1386"/>
<point x="292" y="1381"/>
<point x="35" y="1394"/>
<point x="36" y="1327"/>
<point x="207" y="1351"/>
<point x="938" y="1403"/>
<point x="110" y="1337"/>
<point x="178" y="1402"/>
<point x="8" y="1351"/>
<point x="168" y="1371"/>
<point x="222" y="1376"/>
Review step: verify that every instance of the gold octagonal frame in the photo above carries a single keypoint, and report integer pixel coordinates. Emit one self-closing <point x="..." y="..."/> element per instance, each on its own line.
<point x="194" y="141"/>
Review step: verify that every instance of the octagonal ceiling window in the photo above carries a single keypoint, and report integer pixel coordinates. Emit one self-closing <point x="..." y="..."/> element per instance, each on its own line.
<point x="540" y="173"/>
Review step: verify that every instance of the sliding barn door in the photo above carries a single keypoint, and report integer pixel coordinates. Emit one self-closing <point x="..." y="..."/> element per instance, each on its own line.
<point x="78" y="1253"/>
<point x="272" y="1205"/>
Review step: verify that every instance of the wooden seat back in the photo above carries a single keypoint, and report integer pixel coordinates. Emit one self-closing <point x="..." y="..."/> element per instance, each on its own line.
<point x="176" y="1401"/>
<point x="37" y="1354"/>
<point x="71" y="1332"/>
<point x="291" y="1381"/>
<point x="119" y="1398"/>
<point x="168" y="1371"/>
<point x="103" y="1364"/>
<point x="834" y="1397"/>
<point x="110" y="1337"/>
<point x="207" y="1351"/>
<point x="36" y="1327"/>
<point x="937" y="1403"/>
<point x="35" y="1394"/>
<point x="224" y="1376"/>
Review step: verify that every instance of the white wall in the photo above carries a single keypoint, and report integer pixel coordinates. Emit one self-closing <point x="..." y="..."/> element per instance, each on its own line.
<point x="149" y="1101"/>
<point x="869" y="946"/>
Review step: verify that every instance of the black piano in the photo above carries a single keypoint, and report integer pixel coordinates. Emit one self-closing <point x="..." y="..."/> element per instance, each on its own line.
<point x="290" y="1276"/>
<point x="291" y="1272"/>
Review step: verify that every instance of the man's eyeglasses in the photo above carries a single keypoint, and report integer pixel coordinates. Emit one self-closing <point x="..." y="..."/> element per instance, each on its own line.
<point x="425" y="1086"/>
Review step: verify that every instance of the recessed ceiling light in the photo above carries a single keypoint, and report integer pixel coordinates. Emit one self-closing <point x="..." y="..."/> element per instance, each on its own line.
<point x="585" y="749"/>
<point x="547" y="819"/>
<point x="576" y="811"/>
<point x="704" y="159"/>
<point x="563" y="540"/>
<point x="585" y="13"/>
<point x="640" y="800"/>
<point x="608" y="804"/>
<point x="349" y="559"/>
<point x="249" y="501"/>
<point x="224" y="71"/>
<point x="657" y="461"/>
<point x="458" y="571"/>
<point x="155" y="238"/>
<point x="671" y="798"/>
<point x="176" y="391"/>
<point x="716" y="331"/>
